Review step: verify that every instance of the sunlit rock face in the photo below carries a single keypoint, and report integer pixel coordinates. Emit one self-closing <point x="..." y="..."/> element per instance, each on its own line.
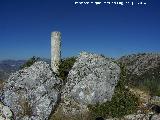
<point x="32" y="92"/>
<point x="91" y="80"/>
<point x="5" y="112"/>
<point x="138" y="64"/>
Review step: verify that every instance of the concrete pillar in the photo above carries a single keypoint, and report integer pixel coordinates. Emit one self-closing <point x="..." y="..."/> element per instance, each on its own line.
<point x="55" y="51"/>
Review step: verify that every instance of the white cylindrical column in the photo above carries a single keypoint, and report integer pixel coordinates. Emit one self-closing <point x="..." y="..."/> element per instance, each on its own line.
<point x="55" y="51"/>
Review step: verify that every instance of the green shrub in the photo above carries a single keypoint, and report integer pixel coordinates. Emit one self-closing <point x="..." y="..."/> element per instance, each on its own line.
<point x="30" y="62"/>
<point x="123" y="101"/>
<point x="65" y="66"/>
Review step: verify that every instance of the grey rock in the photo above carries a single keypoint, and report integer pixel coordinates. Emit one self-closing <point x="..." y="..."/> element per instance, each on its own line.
<point x="138" y="64"/>
<point x="5" y="112"/>
<point x="147" y="116"/>
<point x="142" y="69"/>
<point x="91" y="80"/>
<point x="155" y="100"/>
<point x="134" y="117"/>
<point x="155" y="117"/>
<point x="32" y="92"/>
<point x="137" y="117"/>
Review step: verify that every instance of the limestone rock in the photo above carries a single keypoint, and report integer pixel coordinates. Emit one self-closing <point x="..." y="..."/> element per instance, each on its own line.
<point x="137" y="117"/>
<point x="138" y="64"/>
<point x="155" y="117"/>
<point x="91" y="80"/>
<point x="142" y="116"/>
<point x="32" y="92"/>
<point x="5" y="112"/>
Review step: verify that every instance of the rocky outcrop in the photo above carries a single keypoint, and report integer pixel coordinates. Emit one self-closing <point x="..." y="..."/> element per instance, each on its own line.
<point x="32" y="92"/>
<point x="143" y="70"/>
<point x="91" y="80"/>
<point x="5" y="112"/>
<point x="155" y="117"/>
<point x="140" y="63"/>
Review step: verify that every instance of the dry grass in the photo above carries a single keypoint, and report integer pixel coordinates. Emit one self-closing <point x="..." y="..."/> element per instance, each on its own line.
<point x="27" y="109"/>
<point x="58" y="115"/>
<point x="144" y="95"/>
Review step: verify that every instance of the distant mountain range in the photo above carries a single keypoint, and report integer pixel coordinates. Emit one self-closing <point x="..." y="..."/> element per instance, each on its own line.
<point x="9" y="66"/>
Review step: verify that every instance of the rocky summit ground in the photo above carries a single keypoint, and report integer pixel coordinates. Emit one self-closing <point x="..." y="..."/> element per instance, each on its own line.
<point x="36" y="93"/>
<point x="143" y="69"/>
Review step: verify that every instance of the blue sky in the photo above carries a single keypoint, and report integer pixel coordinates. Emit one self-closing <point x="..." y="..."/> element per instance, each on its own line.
<point x="25" y="27"/>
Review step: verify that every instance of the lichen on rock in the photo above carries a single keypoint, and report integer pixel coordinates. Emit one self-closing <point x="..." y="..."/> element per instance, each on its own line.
<point x="91" y="80"/>
<point x="32" y="92"/>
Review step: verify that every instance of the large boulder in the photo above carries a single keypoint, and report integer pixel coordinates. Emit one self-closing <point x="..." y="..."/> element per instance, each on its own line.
<point x="32" y="92"/>
<point x="91" y="80"/>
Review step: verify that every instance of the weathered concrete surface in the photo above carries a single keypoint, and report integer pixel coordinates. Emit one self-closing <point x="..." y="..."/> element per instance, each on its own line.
<point x="55" y="51"/>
